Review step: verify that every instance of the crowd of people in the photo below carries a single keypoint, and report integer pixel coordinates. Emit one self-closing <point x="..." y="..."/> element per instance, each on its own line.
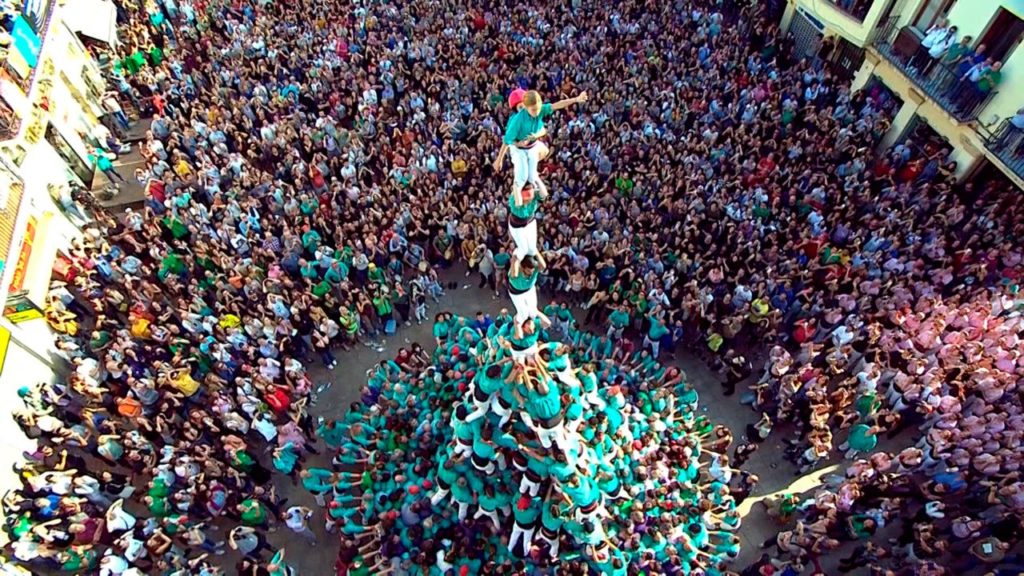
<point x="311" y="165"/>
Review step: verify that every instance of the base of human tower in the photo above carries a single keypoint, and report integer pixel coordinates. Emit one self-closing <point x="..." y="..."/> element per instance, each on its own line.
<point x="478" y="481"/>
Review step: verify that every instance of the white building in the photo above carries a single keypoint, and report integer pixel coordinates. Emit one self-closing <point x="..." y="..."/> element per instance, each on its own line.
<point x="881" y="40"/>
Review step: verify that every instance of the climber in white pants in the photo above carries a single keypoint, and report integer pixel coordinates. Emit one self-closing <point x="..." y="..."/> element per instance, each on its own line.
<point x="523" y="132"/>
<point x="524" y="235"/>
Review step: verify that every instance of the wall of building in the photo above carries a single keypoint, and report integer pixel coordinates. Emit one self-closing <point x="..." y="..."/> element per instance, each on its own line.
<point x="972" y="18"/>
<point x="839" y="23"/>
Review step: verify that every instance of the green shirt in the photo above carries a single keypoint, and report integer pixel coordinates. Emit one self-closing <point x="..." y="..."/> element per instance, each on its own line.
<point x="989" y="80"/>
<point x="522" y="283"/>
<point x="525" y="212"/>
<point x="619" y="318"/>
<point x="522" y="124"/>
<point x="657" y="329"/>
<point x="253" y="512"/>
<point x="860" y="440"/>
<point x="311" y="239"/>
<point x="318" y="481"/>
<point x="954" y="52"/>
<point x="544" y="405"/>
<point x="501" y="260"/>
<point x="528" y="516"/>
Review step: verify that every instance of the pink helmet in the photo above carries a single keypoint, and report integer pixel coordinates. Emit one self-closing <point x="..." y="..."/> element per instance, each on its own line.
<point x="516" y="98"/>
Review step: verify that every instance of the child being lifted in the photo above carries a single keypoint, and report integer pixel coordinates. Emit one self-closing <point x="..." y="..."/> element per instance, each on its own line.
<point x="522" y="141"/>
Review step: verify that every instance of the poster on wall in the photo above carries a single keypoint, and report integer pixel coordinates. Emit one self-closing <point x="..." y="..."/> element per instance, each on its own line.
<point x="19" y="308"/>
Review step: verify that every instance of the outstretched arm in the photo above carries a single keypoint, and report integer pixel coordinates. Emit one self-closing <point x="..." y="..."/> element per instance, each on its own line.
<point x="582" y="97"/>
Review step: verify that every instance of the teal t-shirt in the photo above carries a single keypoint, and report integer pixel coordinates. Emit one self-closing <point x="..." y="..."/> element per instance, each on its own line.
<point x="657" y="329"/>
<point x="522" y="124"/>
<point x="490" y="385"/>
<point x="528" y="516"/>
<point x="619" y="319"/>
<point x="525" y="212"/>
<point x="544" y="405"/>
<point x="522" y="283"/>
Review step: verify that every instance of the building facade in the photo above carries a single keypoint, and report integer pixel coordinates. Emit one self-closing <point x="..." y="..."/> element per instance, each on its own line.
<point x="50" y="105"/>
<point x="904" y="45"/>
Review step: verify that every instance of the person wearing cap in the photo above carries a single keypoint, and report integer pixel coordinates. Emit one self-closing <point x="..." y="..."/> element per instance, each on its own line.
<point x="526" y="513"/>
<point x="522" y="141"/>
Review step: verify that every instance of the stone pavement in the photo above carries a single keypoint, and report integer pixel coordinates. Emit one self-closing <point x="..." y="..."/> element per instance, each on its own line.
<point x="131" y="192"/>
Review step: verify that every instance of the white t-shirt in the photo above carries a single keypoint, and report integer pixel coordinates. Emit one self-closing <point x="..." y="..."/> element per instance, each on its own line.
<point x="295" y="519"/>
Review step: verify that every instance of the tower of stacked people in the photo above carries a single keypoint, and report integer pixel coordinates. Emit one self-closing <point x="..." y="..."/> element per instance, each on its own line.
<point x="524" y="439"/>
<point x="544" y="447"/>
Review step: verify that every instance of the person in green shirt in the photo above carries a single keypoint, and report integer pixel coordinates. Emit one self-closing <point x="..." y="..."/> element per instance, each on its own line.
<point x="522" y="288"/>
<point x="617" y="322"/>
<point x="955" y="53"/>
<point x="100" y="159"/>
<point x="310" y="239"/>
<point x="522" y="226"/>
<point x="526" y="512"/>
<point x="522" y="141"/>
<point x="655" y="333"/>
<point x="253" y="513"/>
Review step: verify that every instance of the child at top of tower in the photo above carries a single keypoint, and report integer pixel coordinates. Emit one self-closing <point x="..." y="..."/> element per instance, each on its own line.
<point x="522" y="140"/>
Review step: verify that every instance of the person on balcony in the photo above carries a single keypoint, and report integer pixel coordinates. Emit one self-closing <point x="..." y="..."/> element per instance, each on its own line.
<point x="938" y="49"/>
<point x="950" y="60"/>
<point x="938" y="32"/>
<point x="983" y="79"/>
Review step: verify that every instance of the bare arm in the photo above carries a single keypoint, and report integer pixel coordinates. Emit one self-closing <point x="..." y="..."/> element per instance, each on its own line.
<point x="582" y="97"/>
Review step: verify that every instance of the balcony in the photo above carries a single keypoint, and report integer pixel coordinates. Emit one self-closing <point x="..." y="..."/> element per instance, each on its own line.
<point x="958" y="96"/>
<point x="1007" y="143"/>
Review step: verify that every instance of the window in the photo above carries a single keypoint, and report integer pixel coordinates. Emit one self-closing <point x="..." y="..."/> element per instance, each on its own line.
<point x="930" y="12"/>
<point x="1003" y="34"/>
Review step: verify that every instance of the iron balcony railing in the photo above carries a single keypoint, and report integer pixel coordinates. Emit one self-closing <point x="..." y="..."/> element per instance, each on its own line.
<point x="1007" y="143"/>
<point x="946" y="84"/>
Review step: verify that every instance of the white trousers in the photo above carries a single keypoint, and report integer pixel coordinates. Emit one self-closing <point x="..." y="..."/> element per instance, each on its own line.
<point x="526" y="305"/>
<point x="518" y="532"/>
<point x="547" y="435"/>
<point x="525" y="163"/>
<point x="479" y="408"/>
<point x="524" y="354"/>
<point x="525" y="239"/>
<point x="528" y="486"/>
<point x="655" y="346"/>
<point x="440" y="496"/>
<point x="553" y="544"/>
<point x="493" y="515"/>
<point x="462" y="449"/>
<point x="497" y="408"/>
<point x="489" y="469"/>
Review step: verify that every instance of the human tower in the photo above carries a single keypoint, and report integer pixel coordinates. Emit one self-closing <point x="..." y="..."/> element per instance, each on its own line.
<point x="547" y="447"/>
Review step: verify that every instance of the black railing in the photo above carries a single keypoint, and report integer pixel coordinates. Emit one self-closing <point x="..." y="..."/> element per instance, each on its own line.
<point x="857" y="9"/>
<point x="884" y="28"/>
<point x="1007" y="143"/>
<point x="946" y="84"/>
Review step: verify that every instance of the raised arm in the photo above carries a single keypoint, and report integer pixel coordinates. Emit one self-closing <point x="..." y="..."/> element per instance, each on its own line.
<point x="582" y="97"/>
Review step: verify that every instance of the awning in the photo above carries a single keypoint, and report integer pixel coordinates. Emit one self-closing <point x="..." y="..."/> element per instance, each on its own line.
<point x="96" y="19"/>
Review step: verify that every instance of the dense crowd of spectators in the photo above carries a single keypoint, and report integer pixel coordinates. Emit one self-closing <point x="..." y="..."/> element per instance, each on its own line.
<point x="311" y="165"/>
